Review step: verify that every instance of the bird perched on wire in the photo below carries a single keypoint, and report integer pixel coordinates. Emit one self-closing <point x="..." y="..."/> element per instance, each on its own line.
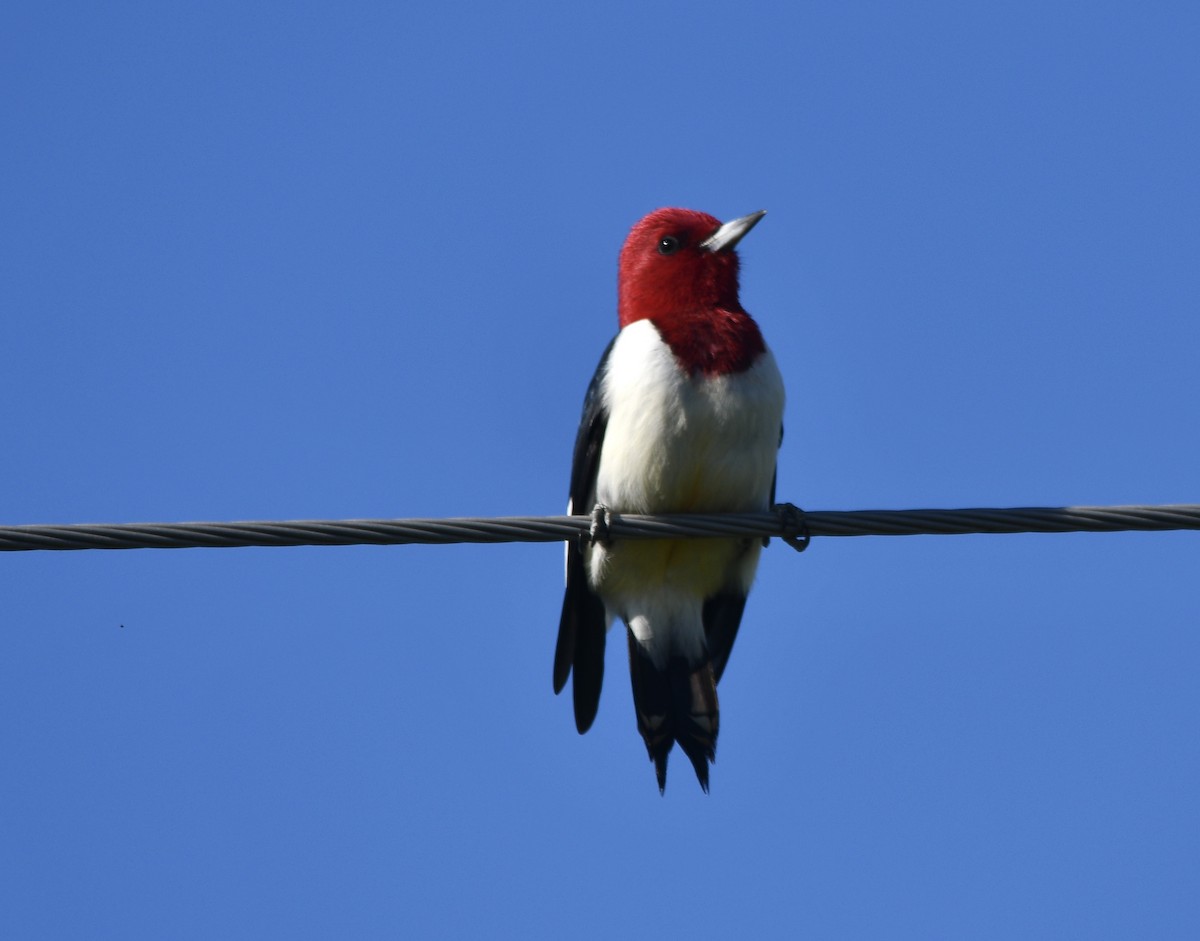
<point x="683" y="415"/>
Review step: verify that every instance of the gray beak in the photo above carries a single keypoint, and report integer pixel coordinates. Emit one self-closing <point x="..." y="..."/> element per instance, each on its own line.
<point x="726" y="237"/>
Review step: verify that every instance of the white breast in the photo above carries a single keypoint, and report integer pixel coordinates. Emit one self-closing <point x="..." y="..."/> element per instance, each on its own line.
<point x="680" y="443"/>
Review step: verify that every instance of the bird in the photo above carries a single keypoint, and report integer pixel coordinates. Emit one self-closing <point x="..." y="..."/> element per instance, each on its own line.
<point x="683" y="415"/>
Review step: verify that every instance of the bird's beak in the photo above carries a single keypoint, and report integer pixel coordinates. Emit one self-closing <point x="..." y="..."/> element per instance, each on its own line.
<point x="726" y="237"/>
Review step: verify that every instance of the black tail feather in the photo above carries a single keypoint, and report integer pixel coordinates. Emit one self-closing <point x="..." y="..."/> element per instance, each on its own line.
<point x="678" y="704"/>
<point x="580" y="649"/>
<point x="652" y="703"/>
<point x="697" y="716"/>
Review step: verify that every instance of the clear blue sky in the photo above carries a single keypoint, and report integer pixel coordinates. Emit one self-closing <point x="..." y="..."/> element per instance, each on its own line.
<point x="271" y="261"/>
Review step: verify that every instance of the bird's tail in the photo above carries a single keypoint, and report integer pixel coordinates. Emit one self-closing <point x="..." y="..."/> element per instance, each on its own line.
<point x="677" y="704"/>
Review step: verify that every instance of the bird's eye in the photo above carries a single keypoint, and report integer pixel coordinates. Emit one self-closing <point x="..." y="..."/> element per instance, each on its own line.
<point x="668" y="245"/>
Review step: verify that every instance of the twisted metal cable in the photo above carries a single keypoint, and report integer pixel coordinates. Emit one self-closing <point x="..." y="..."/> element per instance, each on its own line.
<point x="783" y="521"/>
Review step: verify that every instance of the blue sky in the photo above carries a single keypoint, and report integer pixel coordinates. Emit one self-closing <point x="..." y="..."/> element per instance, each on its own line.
<point x="273" y="261"/>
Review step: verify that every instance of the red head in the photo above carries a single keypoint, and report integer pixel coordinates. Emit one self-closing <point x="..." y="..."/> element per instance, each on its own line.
<point x="679" y="270"/>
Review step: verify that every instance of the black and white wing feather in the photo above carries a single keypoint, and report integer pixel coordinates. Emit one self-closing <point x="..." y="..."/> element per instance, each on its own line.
<point x="584" y="622"/>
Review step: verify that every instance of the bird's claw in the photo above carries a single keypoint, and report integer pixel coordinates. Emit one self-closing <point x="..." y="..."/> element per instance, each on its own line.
<point x="601" y="517"/>
<point x="795" y="526"/>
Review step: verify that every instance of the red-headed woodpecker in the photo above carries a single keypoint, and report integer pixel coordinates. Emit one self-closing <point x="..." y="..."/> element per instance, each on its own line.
<point x="683" y="415"/>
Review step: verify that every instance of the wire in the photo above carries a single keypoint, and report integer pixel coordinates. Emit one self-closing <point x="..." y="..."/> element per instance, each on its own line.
<point x="783" y="521"/>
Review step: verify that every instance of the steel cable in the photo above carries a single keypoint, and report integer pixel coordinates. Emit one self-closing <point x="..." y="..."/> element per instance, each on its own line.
<point x="780" y="522"/>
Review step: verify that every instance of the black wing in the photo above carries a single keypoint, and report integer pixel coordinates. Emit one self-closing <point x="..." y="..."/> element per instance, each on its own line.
<point x="722" y="613"/>
<point x="584" y="622"/>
